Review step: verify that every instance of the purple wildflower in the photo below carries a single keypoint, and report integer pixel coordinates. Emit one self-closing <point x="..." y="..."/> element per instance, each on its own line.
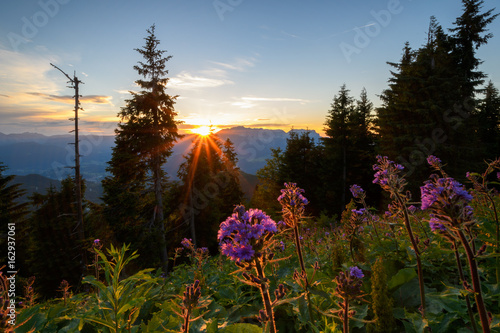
<point x="387" y="171"/>
<point x="293" y="203"/>
<point x="443" y="190"/>
<point x="412" y="209"/>
<point x="356" y="272"/>
<point x="436" y="226"/>
<point x="240" y="235"/>
<point x="498" y="175"/>
<point x="282" y="246"/>
<point x="187" y="243"/>
<point x="97" y="241"/>
<point x="292" y="195"/>
<point x="357" y="191"/>
<point x="434" y="161"/>
<point x="359" y="212"/>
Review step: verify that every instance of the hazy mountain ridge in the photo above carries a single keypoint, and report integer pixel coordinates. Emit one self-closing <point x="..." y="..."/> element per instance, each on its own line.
<point x="52" y="156"/>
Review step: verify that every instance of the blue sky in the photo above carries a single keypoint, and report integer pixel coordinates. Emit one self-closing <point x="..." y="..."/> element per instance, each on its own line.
<point x="271" y="64"/>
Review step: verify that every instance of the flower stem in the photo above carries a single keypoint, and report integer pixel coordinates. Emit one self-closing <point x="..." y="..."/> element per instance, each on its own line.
<point x="476" y="282"/>
<point x="186" y="316"/>
<point x="497" y="237"/>
<point x="462" y="280"/>
<point x="346" y="315"/>
<point x="417" y="253"/>
<point x="264" y="290"/>
<point x="303" y="268"/>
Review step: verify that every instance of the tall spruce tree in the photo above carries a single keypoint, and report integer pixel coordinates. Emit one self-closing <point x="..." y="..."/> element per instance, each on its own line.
<point x="53" y="243"/>
<point x="338" y="131"/>
<point x="11" y="210"/>
<point x="210" y="187"/>
<point x="145" y="137"/>
<point x="301" y="165"/>
<point x="488" y="119"/>
<point x="271" y="179"/>
<point x="471" y="33"/>
<point x="362" y="143"/>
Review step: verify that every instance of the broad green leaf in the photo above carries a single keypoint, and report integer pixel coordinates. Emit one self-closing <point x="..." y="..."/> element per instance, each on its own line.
<point x="100" y="321"/>
<point x="212" y="327"/>
<point x="402" y="276"/>
<point x="241" y="328"/>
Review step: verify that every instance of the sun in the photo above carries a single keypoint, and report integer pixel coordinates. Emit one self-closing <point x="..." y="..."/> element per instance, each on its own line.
<point x="202" y="130"/>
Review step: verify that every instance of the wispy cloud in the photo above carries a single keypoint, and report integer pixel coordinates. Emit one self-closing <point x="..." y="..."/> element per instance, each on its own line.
<point x="185" y="80"/>
<point x="275" y="99"/>
<point x="244" y="104"/>
<point x="290" y="35"/>
<point x="214" y="76"/>
<point x="2" y="95"/>
<point x="240" y="64"/>
<point x="92" y="99"/>
<point x="249" y="102"/>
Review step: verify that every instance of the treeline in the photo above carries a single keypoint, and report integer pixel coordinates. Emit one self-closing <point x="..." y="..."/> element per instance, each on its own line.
<point x="436" y="103"/>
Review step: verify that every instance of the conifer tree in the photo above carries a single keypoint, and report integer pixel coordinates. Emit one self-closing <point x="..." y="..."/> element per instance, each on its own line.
<point x="210" y="187"/>
<point x="338" y="132"/>
<point x="301" y="165"/>
<point x="145" y="137"/>
<point x="53" y="243"/>
<point x="362" y="144"/>
<point x="271" y="181"/>
<point x="488" y="119"/>
<point x="471" y="33"/>
<point x="11" y="210"/>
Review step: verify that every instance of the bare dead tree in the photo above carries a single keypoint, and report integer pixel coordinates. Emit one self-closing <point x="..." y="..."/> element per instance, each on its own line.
<point x="79" y="227"/>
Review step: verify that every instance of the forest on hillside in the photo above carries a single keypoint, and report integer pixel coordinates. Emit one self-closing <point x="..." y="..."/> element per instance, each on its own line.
<point x="388" y="224"/>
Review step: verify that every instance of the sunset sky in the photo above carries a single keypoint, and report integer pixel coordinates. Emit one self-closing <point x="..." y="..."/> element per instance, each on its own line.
<point x="256" y="63"/>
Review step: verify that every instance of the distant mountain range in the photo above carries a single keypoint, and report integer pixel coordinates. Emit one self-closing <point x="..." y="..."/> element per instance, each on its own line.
<point x="52" y="156"/>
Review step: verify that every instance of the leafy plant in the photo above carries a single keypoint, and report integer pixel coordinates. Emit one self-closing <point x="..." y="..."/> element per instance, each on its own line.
<point x="118" y="302"/>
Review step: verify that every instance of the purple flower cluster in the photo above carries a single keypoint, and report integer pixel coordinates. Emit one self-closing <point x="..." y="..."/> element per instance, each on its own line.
<point x="436" y="225"/>
<point x="448" y="201"/>
<point x="240" y="233"/>
<point x="293" y="204"/>
<point x="292" y="196"/>
<point x="361" y="211"/>
<point x="386" y="170"/>
<point x="357" y="191"/>
<point x="443" y="191"/>
<point x="356" y="272"/>
<point x="434" y="161"/>
<point x="187" y="243"/>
